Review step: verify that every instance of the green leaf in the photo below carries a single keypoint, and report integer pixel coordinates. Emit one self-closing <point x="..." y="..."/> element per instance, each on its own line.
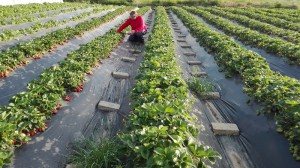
<point x="158" y="160"/>
<point x="170" y="110"/>
<point x="159" y="151"/>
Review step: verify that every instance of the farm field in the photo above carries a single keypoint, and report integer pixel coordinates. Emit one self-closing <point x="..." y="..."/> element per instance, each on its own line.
<point x="200" y="65"/>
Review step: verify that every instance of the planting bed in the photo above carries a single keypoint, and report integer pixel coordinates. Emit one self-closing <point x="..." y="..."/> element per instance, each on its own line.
<point x="256" y="138"/>
<point x="10" y="85"/>
<point x="24" y="38"/>
<point x="189" y="97"/>
<point x="278" y="64"/>
<point x="254" y="38"/>
<point x="230" y="148"/>
<point x="13" y="57"/>
<point x="75" y="119"/>
<point x="289" y="35"/>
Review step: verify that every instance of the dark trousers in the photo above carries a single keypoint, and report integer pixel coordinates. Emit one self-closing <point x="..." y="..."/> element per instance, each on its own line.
<point x="137" y="37"/>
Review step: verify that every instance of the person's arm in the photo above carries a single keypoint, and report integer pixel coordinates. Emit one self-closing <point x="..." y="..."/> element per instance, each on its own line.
<point x="123" y="26"/>
<point x="140" y="23"/>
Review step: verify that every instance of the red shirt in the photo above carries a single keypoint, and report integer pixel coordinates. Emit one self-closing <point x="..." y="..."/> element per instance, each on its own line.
<point x="136" y="24"/>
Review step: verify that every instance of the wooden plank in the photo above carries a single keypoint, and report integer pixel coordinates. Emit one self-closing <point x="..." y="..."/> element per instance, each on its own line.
<point x="199" y="74"/>
<point x="185" y="46"/>
<point x="181" y="36"/>
<point x="181" y="40"/>
<point x="225" y="129"/>
<point x="128" y="59"/>
<point x="108" y="106"/>
<point x="120" y="75"/>
<point x="190" y="54"/>
<point x="70" y="166"/>
<point x="194" y="62"/>
<point x="210" y="95"/>
<point x="135" y="51"/>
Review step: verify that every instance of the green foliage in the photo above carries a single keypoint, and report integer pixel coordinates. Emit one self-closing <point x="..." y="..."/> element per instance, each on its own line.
<point x="12" y="57"/>
<point x="27" y="18"/>
<point x="200" y="85"/>
<point x="115" y="2"/>
<point x="278" y="94"/>
<point x="10" y="34"/>
<point x="22" y="11"/>
<point x="152" y="2"/>
<point x="289" y="35"/>
<point x="79" y="1"/>
<point x="288" y="15"/>
<point x="275" y="21"/>
<point x="102" y="153"/>
<point x="290" y="4"/>
<point x="254" y="38"/>
<point x="27" y="111"/>
<point x="160" y="131"/>
<point x="177" y="2"/>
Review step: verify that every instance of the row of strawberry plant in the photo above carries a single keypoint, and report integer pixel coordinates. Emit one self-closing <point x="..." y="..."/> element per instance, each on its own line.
<point x="10" y="34"/>
<point x="28" y="18"/>
<point x="28" y="111"/>
<point x="289" y="35"/>
<point x="86" y="14"/>
<point x="13" y="57"/>
<point x="21" y="10"/>
<point x="289" y="12"/>
<point x="160" y="131"/>
<point x="278" y="94"/>
<point x="275" y="15"/>
<point x="274" y="21"/>
<point x="272" y="45"/>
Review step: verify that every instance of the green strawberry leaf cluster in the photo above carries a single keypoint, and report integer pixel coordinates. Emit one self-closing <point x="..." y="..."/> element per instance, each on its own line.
<point x="161" y="131"/>
<point x="277" y="93"/>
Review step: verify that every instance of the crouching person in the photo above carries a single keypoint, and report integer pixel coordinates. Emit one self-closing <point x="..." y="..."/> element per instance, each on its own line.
<point x="138" y="28"/>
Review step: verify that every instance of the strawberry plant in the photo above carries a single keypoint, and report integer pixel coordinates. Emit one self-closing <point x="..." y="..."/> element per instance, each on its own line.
<point x="160" y="129"/>
<point x="288" y="12"/>
<point x="250" y="37"/>
<point x="284" y="15"/>
<point x="27" y="112"/>
<point x="272" y="20"/>
<point x="10" y="34"/>
<point x="289" y="35"/>
<point x="278" y="94"/>
<point x="19" y="12"/>
<point x="38" y="46"/>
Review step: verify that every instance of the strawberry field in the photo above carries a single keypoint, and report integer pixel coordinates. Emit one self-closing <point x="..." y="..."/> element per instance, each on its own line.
<point x="199" y="66"/>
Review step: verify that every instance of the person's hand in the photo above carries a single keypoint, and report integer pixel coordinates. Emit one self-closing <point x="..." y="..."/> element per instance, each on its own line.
<point x="130" y="32"/>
